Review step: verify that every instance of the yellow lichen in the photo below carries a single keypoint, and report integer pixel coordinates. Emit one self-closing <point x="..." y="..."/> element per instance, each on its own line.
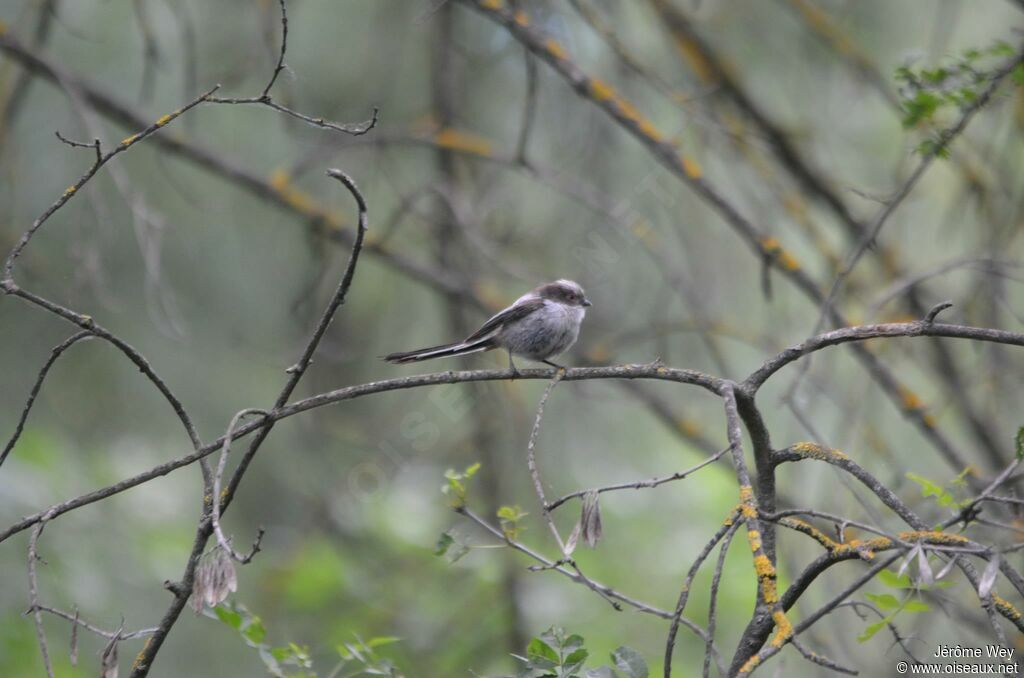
<point x="69" y="191"/>
<point x="771" y="247"/>
<point x="493" y="5"/>
<point x="695" y="58"/>
<point x="747" y="507"/>
<point x="301" y="201"/>
<point x="763" y="567"/>
<point x="648" y="129"/>
<point x="863" y="548"/>
<point x="142" y="653"/>
<point x="750" y="664"/>
<point x="785" y="628"/>
<point x="164" y="120"/>
<point x="128" y="141"/>
<point x="754" y="537"/>
<point x="769" y="590"/>
<point x="820" y="22"/>
<point x="1006" y="607"/>
<point x="910" y="400"/>
<point x="811" y="531"/>
<point x="690" y="167"/>
<point x="794" y="204"/>
<point x="600" y="90"/>
<point x="555" y="50"/>
<point x="279" y="179"/>
<point x="788" y="261"/>
<point x="627" y="109"/>
<point x="466" y="142"/>
<point x="522" y="19"/>
<point x="933" y="537"/>
<point x="689" y="427"/>
<point x="816" y="451"/>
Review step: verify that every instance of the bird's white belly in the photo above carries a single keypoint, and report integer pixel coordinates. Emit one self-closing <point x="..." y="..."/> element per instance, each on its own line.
<point x="545" y="333"/>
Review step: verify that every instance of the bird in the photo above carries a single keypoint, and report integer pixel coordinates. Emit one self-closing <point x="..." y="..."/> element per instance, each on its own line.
<point x="539" y="325"/>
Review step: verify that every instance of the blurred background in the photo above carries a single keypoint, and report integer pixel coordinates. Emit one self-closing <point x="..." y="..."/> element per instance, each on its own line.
<point x="217" y="272"/>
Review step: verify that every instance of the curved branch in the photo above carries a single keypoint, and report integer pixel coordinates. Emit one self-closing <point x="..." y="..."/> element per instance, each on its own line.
<point x="224" y="542"/>
<point x="531" y="462"/>
<point x="183" y="589"/>
<point x="654" y="371"/>
<point x="56" y="353"/>
<point x="640" y="484"/>
<point x="847" y="335"/>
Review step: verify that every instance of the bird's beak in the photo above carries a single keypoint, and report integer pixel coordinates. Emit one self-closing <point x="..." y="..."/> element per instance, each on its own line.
<point x="586" y="302"/>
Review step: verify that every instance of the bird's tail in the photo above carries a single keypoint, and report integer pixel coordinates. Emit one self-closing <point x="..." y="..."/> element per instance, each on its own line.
<point x="442" y="351"/>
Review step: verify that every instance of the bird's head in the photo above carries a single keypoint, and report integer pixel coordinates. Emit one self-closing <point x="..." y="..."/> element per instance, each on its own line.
<point x="564" y="292"/>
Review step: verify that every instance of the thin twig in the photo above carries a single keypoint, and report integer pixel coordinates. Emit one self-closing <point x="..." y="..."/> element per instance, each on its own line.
<point x="224" y="542"/>
<point x="716" y="580"/>
<point x="54" y="355"/>
<point x="640" y="484"/>
<point x="818" y="659"/>
<point x="33" y="593"/>
<point x="182" y="589"/>
<point x="729" y="526"/>
<point x="284" y="48"/>
<point x="531" y="460"/>
<point x="77" y="621"/>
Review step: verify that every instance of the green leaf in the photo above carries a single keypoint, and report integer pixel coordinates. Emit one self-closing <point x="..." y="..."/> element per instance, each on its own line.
<point x="511" y="513"/>
<point x="916" y="606"/>
<point x="1018" y="74"/>
<point x="932" y="489"/>
<point x="629" y="662"/>
<point x="451" y="548"/>
<point x="554" y="636"/>
<point x="538" y="649"/>
<point x="920" y="107"/>
<point x="380" y="641"/>
<point x="1001" y="49"/>
<point x="1019" y="443"/>
<point x="884" y="601"/>
<point x="574" y="662"/>
<point x="471" y="470"/>
<point x="254" y="631"/>
<point x="228" y="616"/>
<point x="893" y="580"/>
<point x="572" y="643"/>
<point x="872" y="629"/>
<point x="444" y="542"/>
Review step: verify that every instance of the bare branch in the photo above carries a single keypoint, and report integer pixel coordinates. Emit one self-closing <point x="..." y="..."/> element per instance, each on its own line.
<point x="640" y="484"/>
<point x="56" y="353"/>
<point x="531" y="461"/>
<point x="33" y="593"/>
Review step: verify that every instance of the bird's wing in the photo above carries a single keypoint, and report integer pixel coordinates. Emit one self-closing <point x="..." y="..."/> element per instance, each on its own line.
<point x="516" y="311"/>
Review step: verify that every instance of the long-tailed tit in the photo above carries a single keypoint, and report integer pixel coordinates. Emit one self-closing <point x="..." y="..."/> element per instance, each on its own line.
<point x="539" y="325"/>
